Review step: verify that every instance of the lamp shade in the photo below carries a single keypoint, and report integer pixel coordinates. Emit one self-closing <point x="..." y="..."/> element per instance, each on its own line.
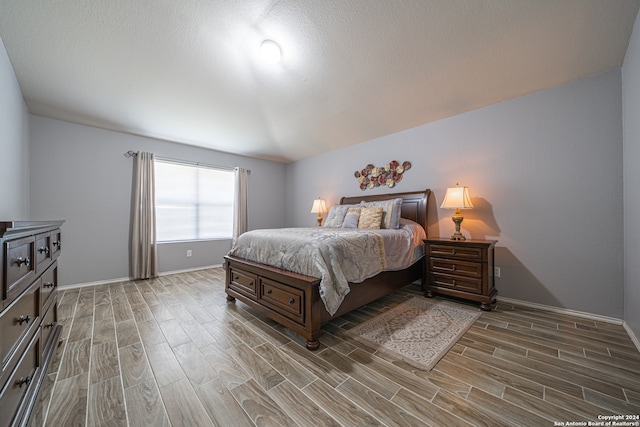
<point x="319" y="206"/>
<point x="457" y="198"/>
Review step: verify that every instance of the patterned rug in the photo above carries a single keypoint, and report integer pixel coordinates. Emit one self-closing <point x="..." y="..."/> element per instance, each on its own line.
<point x="419" y="331"/>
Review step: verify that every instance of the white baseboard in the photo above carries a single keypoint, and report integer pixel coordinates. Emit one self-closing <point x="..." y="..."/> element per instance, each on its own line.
<point x="632" y="335"/>
<point x="126" y="279"/>
<point x="582" y="314"/>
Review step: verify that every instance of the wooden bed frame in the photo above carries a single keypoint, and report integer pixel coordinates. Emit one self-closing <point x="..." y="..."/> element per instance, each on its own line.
<point x="293" y="300"/>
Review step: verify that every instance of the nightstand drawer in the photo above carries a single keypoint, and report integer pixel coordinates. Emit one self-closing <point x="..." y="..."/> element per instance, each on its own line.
<point x="457" y="252"/>
<point x="461" y="269"/>
<point x="457" y="268"/>
<point x="456" y="282"/>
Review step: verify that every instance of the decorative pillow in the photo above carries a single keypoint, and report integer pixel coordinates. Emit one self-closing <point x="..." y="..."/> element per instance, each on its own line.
<point x="370" y="218"/>
<point x="336" y="215"/>
<point x="351" y="218"/>
<point x="391" y="211"/>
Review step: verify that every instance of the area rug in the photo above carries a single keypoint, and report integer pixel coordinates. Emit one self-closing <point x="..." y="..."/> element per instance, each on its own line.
<point x="419" y="331"/>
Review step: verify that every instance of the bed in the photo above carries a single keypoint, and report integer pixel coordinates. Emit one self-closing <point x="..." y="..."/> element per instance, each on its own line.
<point x="294" y="300"/>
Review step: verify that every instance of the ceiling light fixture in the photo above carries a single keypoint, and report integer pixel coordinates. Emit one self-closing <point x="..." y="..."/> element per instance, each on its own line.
<point x="270" y="51"/>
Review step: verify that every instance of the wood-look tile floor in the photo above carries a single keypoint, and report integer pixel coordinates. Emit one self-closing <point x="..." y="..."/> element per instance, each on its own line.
<point x="173" y="352"/>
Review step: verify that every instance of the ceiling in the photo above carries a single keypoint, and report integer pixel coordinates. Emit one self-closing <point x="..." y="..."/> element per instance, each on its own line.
<point x="351" y="70"/>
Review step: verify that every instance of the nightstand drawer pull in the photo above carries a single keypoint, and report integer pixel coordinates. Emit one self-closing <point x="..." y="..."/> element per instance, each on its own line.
<point x="453" y="267"/>
<point x="453" y="282"/>
<point x="453" y="251"/>
<point x="291" y="301"/>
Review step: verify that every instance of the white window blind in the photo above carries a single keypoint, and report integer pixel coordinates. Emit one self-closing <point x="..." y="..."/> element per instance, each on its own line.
<point x="193" y="202"/>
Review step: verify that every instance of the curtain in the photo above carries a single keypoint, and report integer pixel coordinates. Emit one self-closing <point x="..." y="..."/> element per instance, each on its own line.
<point x="240" y="202"/>
<point x="144" y="255"/>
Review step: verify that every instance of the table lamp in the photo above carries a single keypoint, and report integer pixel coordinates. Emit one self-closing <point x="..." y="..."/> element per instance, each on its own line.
<point x="319" y="207"/>
<point x="457" y="198"/>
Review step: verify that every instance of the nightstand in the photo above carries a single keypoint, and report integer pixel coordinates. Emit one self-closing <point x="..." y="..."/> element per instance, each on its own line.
<point x="461" y="268"/>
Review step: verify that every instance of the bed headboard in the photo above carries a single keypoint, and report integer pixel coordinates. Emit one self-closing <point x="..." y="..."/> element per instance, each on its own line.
<point x="414" y="204"/>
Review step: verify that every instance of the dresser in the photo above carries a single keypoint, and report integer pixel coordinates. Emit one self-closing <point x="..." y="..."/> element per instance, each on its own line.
<point x="29" y="327"/>
<point x="462" y="269"/>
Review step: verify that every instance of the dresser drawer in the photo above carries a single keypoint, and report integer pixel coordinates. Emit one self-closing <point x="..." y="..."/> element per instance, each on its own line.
<point x="456" y="252"/>
<point x="244" y="282"/>
<point x="49" y="323"/>
<point x="287" y="300"/>
<point x="23" y="378"/>
<point x="458" y="283"/>
<point x="18" y="321"/>
<point x="457" y="268"/>
<point x="56" y="243"/>
<point x="43" y="251"/>
<point x="19" y="266"/>
<point x="49" y="283"/>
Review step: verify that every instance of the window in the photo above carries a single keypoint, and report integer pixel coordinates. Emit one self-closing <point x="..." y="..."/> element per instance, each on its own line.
<point x="193" y="202"/>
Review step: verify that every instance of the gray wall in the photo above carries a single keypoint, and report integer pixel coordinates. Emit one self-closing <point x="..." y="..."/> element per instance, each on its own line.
<point x="631" y="113"/>
<point x="14" y="145"/>
<point x="545" y="179"/>
<point x="80" y="174"/>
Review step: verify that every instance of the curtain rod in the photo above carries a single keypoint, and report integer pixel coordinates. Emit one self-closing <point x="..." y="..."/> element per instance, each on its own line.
<point x="132" y="153"/>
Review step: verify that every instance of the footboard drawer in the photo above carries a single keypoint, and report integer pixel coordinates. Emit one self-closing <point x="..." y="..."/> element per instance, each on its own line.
<point x="285" y="299"/>
<point x="244" y="282"/>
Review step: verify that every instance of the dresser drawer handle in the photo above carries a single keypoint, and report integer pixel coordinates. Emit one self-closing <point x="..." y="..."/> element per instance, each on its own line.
<point x="453" y="251"/>
<point x="57" y="243"/>
<point x="453" y="282"/>
<point x="23" y="319"/>
<point x="291" y="301"/>
<point x="43" y="249"/>
<point x="269" y="291"/>
<point x="48" y="285"/>
<point x="49" y="325"/>
<point x="26" y="261"/>
<point x="23" y="381"/>
<point x="453" y="267"/>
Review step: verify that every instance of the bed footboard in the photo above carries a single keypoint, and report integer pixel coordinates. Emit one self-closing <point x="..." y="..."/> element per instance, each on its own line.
<point x="291" y="299"/>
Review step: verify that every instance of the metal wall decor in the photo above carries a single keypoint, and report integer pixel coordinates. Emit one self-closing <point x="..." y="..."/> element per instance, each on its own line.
<point x="389" y="174"/>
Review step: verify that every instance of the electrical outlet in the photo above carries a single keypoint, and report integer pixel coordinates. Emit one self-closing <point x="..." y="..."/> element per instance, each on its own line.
<point x="189" y="253"/>
<point x="496" y="271"/>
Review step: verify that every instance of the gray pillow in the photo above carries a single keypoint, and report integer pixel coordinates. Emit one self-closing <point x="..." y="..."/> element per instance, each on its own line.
<point x="336" y="215"/>
<point x="352" y="217"/>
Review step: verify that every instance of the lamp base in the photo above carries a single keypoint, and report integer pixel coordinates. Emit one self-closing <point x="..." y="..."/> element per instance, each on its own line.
<point x="457" y="219"/>
<point x="319" y="220"/>
<point x="458" y="236"/>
